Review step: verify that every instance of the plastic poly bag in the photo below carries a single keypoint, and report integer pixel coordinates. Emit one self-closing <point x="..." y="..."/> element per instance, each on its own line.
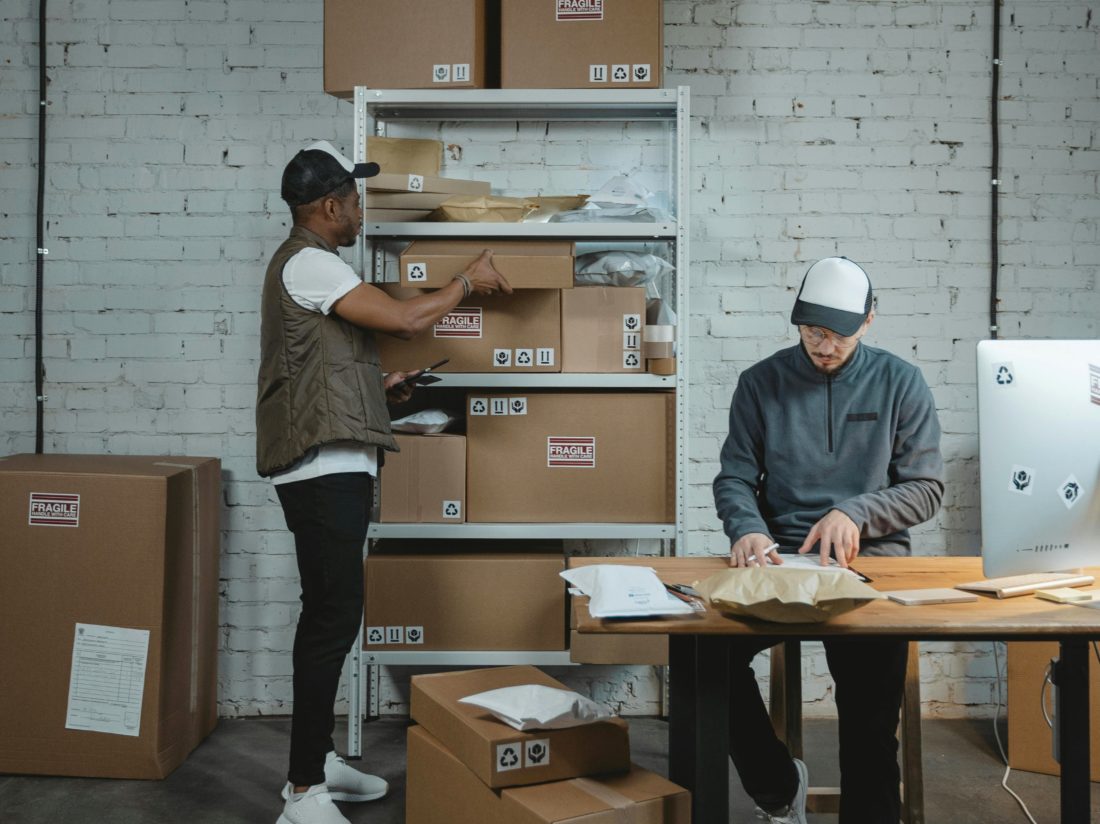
<point x="538" y="707"/>
<point x="791" y="596"/>
<point x="619" y="268"/>
<point x="424" y="422"/>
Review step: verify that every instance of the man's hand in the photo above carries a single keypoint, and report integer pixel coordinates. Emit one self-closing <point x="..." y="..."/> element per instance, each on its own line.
<point x="752" y="550"/>
<point x="839" y="537"/>
<point x="395" y="393"/>
<point x="484" y="279"/>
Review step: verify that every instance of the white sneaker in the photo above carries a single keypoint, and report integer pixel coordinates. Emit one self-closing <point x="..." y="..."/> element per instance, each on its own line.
<point x="796" y="810"/>
<point x="345" y="783"/>
<point x="313" y="807"/>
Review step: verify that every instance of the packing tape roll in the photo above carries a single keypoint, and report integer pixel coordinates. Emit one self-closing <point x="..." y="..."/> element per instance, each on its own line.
<point x="625" y="808"/>
<point x="658" y="333"/>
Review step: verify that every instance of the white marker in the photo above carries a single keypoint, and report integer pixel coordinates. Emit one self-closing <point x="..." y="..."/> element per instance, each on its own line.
<point x="767" y="551"/>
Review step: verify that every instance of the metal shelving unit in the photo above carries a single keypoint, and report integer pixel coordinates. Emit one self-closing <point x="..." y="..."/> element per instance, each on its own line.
<point x="373" y="109"/>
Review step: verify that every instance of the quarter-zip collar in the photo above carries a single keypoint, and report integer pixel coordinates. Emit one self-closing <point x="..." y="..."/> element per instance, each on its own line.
<point x="850" y="368"/>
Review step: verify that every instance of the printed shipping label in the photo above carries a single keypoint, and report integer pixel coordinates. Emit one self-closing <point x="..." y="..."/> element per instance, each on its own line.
<point x="107" y="679"/>
<point x="463" y="322"/>
<point x="54" y="509"/>
<point x="580" y="9"/>
<point x="575" y="452"/>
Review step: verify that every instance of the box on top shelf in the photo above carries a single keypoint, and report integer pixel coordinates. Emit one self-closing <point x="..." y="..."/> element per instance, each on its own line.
<point x="499" y="755"/>
<point x="395" y="44"/>
<point x="525" y="264"/>
<point x="109" y="629"/>
<point x="579" y="44"/>
<point x="426" y="481"/>
<point x="405" y="155"/>
<point x="397" y="182"/>
<point x="570" y="457"/>
<point x="520" y="332"/>
<point x="601" y="329"/>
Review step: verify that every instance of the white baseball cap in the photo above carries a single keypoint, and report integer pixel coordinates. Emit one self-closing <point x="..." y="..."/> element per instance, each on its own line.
<point x="835" y="294"/>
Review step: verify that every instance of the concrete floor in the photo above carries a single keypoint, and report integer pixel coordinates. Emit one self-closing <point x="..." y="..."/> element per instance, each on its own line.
<point x="236" y="775"/>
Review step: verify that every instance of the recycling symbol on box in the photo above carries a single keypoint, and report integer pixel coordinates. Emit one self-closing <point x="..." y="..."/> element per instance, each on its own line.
<point x="478" y="406"/>
<point x="631" y="360"/>
<point x="451" y="509"/>
<point x="416" y="272"/>
<point x="507" y="757"/>
<point x="524" y="357"/>
<point x="375" y="635"/>
<point x="620" y="74"/>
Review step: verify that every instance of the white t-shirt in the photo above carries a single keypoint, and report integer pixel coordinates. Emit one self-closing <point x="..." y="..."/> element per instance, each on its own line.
<point x="316" y="279"/>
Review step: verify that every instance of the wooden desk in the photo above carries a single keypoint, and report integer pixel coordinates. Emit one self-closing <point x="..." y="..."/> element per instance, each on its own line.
<point x="699" y="677"/>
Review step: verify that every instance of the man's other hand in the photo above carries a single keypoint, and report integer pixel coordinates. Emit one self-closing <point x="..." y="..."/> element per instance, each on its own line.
<point x="839" y="537"/>
<point x="395" y="393"/>
<point x="484" y="279"/>
<point x="752" y="550"/>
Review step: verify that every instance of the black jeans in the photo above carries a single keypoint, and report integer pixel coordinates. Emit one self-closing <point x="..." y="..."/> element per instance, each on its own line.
<point x="870" y="682"/>
<point x="329" y="517"/>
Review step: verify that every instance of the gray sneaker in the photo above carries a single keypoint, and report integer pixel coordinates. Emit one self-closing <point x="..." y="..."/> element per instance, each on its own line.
<point x="795" y="813"/>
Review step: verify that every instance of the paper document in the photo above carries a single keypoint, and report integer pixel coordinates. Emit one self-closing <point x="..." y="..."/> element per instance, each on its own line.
<point x="107" y="682"/>
<point x="621" y="591"/>
<point x="811" y="560"/>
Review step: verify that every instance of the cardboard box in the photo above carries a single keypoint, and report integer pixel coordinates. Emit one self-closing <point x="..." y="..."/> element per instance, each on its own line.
<point x="425" y="483"/>
<point x="601" y="329"/>
<point x="570" y="457"/>
<point x="526" y="264"/>
<point x="405" y="155"/>
<point x="1029" y="737"/>
<point x="386" y="182"/>
<point x="420" y="201"/>
<point x="440" y="788"/>
<point x="111" y="566"/>
<point x="499" y="755"/>
<point x="393" y="44"/>
<point x="579" y="44"/>
<point x="394" y="215"/>
<point x="456" y="595"/>
<point x="520" y="332"/>
<point x="593" y="648"/>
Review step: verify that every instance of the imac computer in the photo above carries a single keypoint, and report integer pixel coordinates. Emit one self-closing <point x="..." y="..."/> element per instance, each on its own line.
<point x="1039" y="447"/>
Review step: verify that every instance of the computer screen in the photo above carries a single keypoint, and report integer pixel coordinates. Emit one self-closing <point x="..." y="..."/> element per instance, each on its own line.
<point x="1039" y="453"/>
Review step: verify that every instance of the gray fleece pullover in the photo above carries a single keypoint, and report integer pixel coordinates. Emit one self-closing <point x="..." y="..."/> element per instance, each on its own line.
<point x="865" y="440"/>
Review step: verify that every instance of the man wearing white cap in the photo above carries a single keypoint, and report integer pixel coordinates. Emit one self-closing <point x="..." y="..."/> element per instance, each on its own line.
<point x="833" y="447"/>
<point x="321" y="418"/>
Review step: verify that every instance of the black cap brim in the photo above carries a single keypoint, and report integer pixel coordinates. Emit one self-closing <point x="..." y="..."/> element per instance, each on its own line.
<point x="842" y="323"/>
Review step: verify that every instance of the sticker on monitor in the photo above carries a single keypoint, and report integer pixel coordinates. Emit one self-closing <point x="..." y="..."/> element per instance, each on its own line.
<point x="1070" y="492"/>
<point x="1004" y="374"/>
<point x="1022" y="480"/>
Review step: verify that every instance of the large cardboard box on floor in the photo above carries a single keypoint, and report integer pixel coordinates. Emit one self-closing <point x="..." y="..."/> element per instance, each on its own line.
<point x="425" y="483"/>
<point x="441" y="788"/>
<point x="525" y="264"/>
<point x="394" y="44"/>
<point x="499" y="755"/>
<point x="108" y="613"/>
<point x="1029" y="737"/>
<point x="520" y="332"/>
<point x="578" y="44"/>
<point x="601" y="329"/>
<point x="464" y="595"/>
<point x="573" y="457"/>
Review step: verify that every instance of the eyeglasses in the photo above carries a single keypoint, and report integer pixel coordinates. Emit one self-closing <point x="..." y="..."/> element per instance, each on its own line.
<point x="815" y="334"/>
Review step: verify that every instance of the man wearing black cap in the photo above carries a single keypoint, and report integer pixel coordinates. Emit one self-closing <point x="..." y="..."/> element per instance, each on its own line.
<point x="833" y="446"/>
<point x="320" y="419"/>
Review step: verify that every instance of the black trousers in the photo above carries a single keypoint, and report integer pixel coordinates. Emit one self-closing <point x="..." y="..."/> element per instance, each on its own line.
<point x="870" y="683"/>
<point x="329" y="517"/>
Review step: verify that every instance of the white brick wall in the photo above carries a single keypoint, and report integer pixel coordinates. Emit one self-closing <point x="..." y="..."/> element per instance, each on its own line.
<point x="854" y="128"/>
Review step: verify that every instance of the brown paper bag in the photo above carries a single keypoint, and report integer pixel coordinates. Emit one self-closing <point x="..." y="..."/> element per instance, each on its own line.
<point x="484" y="209"/>
<point x="786" y="596"/>
<point x="406" y="155"/>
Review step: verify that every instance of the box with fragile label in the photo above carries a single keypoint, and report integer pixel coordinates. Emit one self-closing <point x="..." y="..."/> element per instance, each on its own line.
<point x="579" y="44"/>
<point x="570" y="457"/>
<point x="394" y="44"/>
<point x="424" y="483"/>
<point x="463" y="595"/>
<point x="441" y="788"/>
<point x="109" y="624"/>
<point x="525" y="264"/>
<point x="499" y="755"/>
<point x="520" y="332"/>
<point x="601" y="329"/>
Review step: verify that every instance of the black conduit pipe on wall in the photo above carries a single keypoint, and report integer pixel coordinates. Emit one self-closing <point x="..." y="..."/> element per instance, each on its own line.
<point x="39" y="370"/>
<point x="994" y="172"/>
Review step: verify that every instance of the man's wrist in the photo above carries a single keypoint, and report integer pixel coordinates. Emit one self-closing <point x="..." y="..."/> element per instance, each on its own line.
<point x="464" y="282"/>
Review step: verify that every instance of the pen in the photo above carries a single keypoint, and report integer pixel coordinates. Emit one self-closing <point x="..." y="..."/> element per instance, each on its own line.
<point x="767" y="551"/>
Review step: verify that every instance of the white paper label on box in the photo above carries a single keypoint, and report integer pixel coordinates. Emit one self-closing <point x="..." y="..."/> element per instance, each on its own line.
<point x="641" y="73"/>
<point x="544" y="357"/>
<point x="1022" y="480"/>
<point x="632" y="360"/>
<point x="517" y="406"/>
<point x="632" y="340"/>
<point x="498" y="406"/>
<point x="416" y="183"/>
<point x="620" y="73"/>
<point x="441" y="73"/>
<point x="54" y="509"/>
<point x="107" y="681"/>
<point x="479" y="406"/>
<point x="502" y="358"/>
<point x="461" y="322"/>
<point x="1070" y="491"/>
<point x="414" y="635"/>
<point x="632" y="323"/>
<point x="580" y="10"/>
<point x="376" y="635"/>
<point x="452" y="509"/>
<point x="536" y="753"/>
<point x="570" y="452"/>
<point x="525" y="357"/>
<point x="416" y="272"/>
<point x="460" y="72"/>
<point x="509" y="757"/>
<point x="395" y="635"/>
<point x="597" y="73"/>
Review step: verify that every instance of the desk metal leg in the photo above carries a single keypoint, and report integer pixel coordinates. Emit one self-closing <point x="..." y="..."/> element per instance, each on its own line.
<point x="698" y="729"/>
<point x="1071" y="675"/>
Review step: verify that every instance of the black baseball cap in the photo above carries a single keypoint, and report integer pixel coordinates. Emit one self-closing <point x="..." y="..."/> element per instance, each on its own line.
<point x="318" y="169"/>
<point x="835" y="294"/>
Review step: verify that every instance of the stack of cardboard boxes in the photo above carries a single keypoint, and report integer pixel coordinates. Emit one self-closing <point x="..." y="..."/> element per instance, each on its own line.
<point x="467" y="767"/>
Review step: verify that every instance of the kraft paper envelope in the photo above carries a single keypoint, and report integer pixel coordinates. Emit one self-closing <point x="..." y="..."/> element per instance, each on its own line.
<point x="794" y="596"/>
<point x="484" y="209"/>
